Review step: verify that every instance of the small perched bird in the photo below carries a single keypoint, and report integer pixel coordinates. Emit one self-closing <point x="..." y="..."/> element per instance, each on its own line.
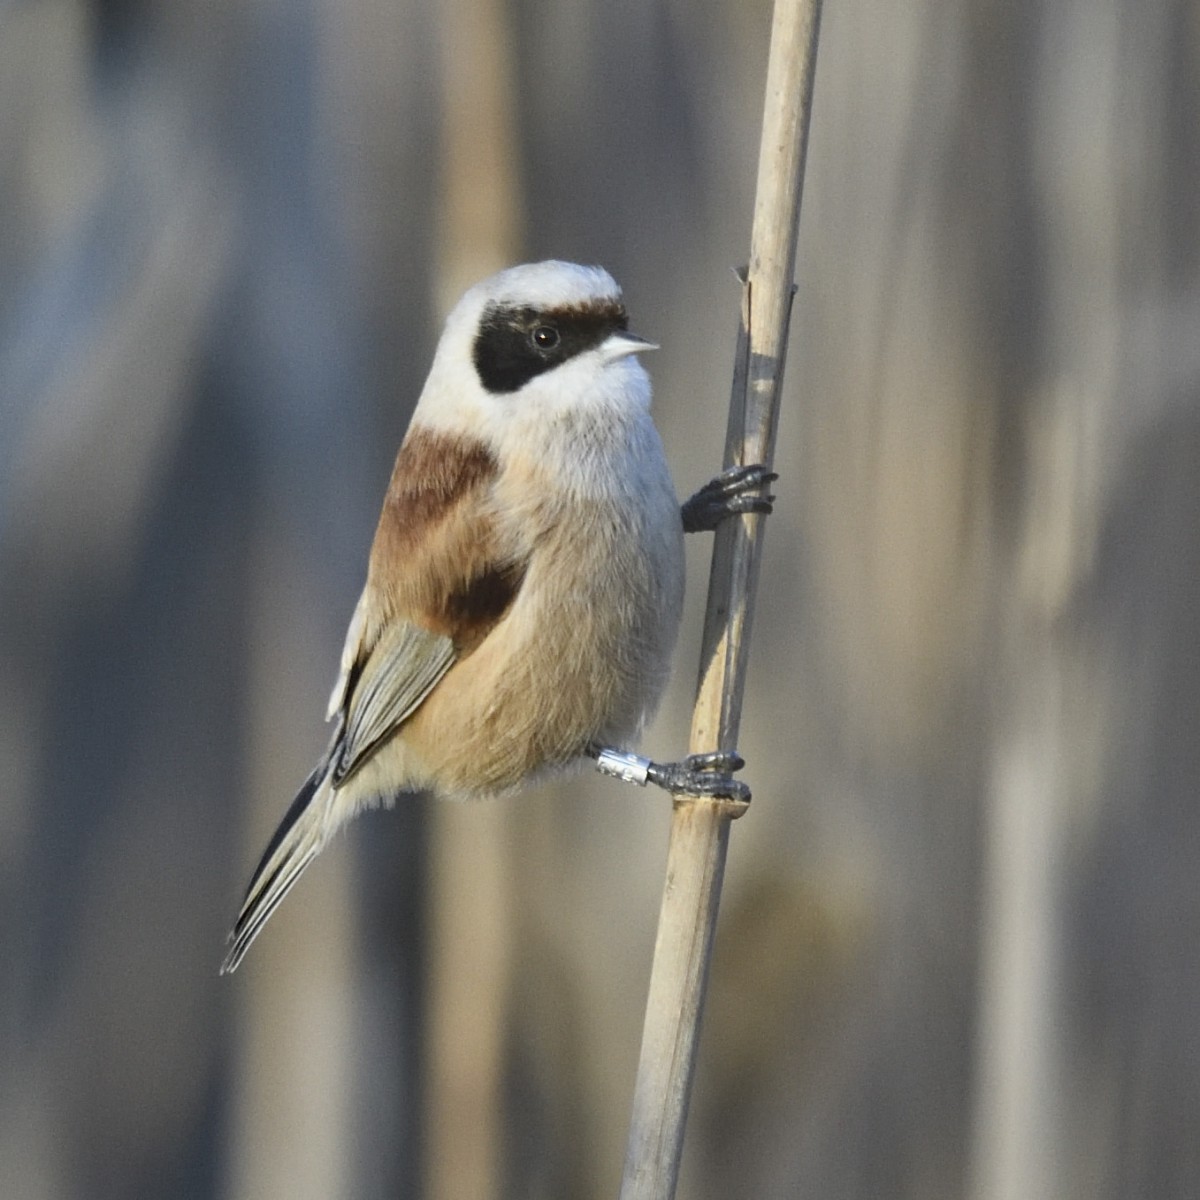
<point x="525" y="583"/>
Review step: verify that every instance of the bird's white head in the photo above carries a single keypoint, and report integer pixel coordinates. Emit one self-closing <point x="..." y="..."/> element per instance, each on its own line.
<point x="531" y="346"/>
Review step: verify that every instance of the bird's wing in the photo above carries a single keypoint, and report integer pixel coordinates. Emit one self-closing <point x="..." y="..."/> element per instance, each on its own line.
<point x="386" y="687"/>
<point x="440" y="580"/>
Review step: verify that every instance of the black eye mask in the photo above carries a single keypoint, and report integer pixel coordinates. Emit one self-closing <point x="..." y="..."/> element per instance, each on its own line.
<point x="517" y="343"/>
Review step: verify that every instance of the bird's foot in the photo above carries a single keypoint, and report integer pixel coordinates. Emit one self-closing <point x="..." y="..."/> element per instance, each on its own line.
<point x="736" y="490"/>
<point x="705" y="776"/>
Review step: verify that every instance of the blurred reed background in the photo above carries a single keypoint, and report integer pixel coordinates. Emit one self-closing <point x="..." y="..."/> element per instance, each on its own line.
<point x="959" y="952"/>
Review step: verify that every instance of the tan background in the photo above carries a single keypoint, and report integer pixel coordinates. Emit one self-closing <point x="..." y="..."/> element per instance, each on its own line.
<point x="959" y="950"/>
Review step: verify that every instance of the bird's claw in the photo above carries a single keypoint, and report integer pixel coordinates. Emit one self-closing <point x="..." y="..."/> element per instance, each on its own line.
<point x="707" y="776"/>
<point x="728" y="494"/>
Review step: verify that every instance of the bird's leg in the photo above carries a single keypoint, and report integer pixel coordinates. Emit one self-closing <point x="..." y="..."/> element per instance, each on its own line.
<point x="736" y="490"/>
<point x="703" y="775"/>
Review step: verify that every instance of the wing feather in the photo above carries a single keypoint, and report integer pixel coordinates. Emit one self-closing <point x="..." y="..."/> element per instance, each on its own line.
<point x="386" y="688"/>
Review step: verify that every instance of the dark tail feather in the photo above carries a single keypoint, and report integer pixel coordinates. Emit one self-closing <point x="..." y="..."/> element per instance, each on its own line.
<point x="292" y="847"/>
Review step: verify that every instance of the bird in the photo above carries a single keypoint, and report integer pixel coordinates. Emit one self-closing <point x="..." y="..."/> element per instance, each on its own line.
<point x="525" y="582"/>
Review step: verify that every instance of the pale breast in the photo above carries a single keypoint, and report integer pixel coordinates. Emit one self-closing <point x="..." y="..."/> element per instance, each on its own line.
<point x="583" y="652"/>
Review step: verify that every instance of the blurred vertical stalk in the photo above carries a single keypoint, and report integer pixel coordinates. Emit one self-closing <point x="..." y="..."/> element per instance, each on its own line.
<point x="1017" y="1106"/>
<point x="470" y="871"/>
<point x="700" y="828"/>
<point x="480" y="194"/>
<point x="1057" y="733"/>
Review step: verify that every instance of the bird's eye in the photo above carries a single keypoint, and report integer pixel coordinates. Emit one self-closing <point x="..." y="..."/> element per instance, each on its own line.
<point x="545" y="337"/>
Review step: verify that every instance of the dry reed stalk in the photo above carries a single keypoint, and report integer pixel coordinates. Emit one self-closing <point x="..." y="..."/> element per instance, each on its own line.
<point x="700" y="828"/>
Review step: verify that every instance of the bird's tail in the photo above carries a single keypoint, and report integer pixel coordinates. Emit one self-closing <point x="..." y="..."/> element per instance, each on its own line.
<point x="300" y="836"/>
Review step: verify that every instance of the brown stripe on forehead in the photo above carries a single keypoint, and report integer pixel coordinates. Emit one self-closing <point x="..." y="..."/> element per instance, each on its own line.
<point x="608" y="313"/>
<point x="433" y="472"/>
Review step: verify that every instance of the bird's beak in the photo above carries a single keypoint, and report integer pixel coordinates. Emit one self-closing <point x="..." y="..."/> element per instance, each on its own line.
<point x="623" y="343"/>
